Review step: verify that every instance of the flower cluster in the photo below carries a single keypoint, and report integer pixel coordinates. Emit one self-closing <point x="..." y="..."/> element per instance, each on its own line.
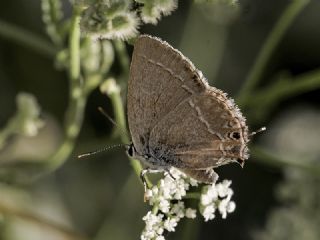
<point x="116" y="19"/>
<point x="217" y="197"/>
<point x="168" y="207"/>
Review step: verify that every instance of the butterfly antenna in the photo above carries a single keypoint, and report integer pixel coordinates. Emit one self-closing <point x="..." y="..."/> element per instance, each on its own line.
<point x="262" y="129"/>
<point x="101" y="150"/>
<point x="101" y="110"/>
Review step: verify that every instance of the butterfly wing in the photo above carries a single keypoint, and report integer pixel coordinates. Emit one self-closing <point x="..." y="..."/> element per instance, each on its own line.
<point x="157" y="85"/>
<point x="205" y="130"/>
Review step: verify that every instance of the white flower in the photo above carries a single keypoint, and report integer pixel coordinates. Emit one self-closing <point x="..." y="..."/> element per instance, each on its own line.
<point x="193" y="182"/>
<point x="170" y="224"/>
<point x="217" y="196"/>
<point x="191" y="213"/>
<point x="210" y="195"/>
<point x="223" y="208"/>
<point x="160" y="238"/>
<point x="208" y="213"/>
<point x="169" y="208"/>
<point x="206" y="199"/>
<point x="231" y="207"/>
<point x="154" y="226"/>
<point x="213" y="192"/>
<point x="152" y="220"/>
<point x="166" y="186"/>
<point x="177" y="174"/>
<point x="223" y="188"/>
<point x="180" y="188"/>
<point x="160" y="231"/>
<point x="164" y="205"/>
<point x="148" y="194"/>
<point x="178" y="209"/>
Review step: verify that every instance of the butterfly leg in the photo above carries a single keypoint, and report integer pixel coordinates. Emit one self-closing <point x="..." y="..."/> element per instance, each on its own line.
<point x="144" y="172"/>
<point x="144" y="181"/>
<point x="143" y="178"/>
<point x="167" y="172"/>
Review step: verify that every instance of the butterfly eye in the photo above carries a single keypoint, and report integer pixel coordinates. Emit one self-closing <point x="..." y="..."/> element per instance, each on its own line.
<point x="130" y="150"/>
<point x="235" y="135"/>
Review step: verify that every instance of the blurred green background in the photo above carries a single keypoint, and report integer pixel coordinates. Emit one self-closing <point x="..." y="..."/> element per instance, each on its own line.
<point x="100" y="197"/>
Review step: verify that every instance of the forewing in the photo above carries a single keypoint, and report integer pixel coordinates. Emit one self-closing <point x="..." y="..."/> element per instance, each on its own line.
<point x="157" y="85"/>
<point x="205" y="130"/>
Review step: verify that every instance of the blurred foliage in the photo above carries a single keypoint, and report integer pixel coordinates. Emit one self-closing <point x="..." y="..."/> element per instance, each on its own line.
<point x="299" y="217"/>
<point x="264" y="53"/>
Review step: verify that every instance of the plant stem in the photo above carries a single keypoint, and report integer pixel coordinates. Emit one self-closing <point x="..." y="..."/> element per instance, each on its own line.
<point x="27" y="39"/>
<point x="119" y="116"/>
<point x="74" y="43"/>
<point x="293" y="86"/>
<point x="277" y="33"/>
<point x="75" y="110"/>
<point x="121" y="122"/>
<point x="122" y="54"/>
<point x="285" y="86"/>
<point x="192" y="195"/>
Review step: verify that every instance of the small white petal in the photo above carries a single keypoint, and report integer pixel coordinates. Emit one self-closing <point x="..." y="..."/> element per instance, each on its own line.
<point x="155" y="190"/>
<point x="223" y="208"/>
<point x="208" y="213"/>
<point x="170" y="224"/>
<point x="231" y="207"/>
<point x="164" y="206"/>
<point x="160" y="231"/>
<point x="206" y="199"/>
<point x="160" y="238"/>
<point x="212" y="192"/>
<point x="191" y="213"/>
<point x="193" y="182"/>
<point x="148" y="193"/>
<point x="223" y="188"/>
<point x="178" y="209"/>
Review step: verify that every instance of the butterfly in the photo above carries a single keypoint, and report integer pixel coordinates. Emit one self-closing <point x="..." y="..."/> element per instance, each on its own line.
<point x="176" y="119"/>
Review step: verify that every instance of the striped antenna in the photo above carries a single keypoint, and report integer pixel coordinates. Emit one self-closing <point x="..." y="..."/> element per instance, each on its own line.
<point x="101" y="150"/>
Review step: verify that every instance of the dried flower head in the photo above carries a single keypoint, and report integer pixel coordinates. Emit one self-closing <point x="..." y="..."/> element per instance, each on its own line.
<point x="110" y="21"/>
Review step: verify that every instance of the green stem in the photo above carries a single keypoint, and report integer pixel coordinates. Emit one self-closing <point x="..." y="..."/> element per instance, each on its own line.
<point x="284" y="87"/>
<point x="190" y="230"/>
<point x="277" y="33"/>
<point x="155" y="209"/>
<point x="27" y="39"/>
<point x="121" y="122"/>
<point x="74" y="43"/>
<point x="264" y="156"/>
<point x="75" y="111"/>
<point x="192" y="195"/>
<point x="122" y="54"/>
<point x="119" y="116"/>
<point x="293" y="86"/>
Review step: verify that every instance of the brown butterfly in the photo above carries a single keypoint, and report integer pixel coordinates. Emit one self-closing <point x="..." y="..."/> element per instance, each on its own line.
<point x="176" y="119"/>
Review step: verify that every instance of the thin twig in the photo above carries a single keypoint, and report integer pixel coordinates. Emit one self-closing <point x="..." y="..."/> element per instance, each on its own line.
<point x="27" y="39"/>
<point x="275" y="36"/>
